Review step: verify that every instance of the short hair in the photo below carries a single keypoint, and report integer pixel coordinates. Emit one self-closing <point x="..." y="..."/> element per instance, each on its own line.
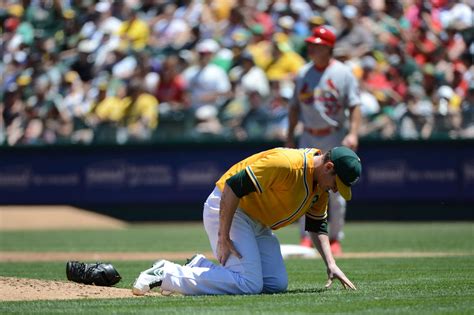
<point x="327" y="157"/>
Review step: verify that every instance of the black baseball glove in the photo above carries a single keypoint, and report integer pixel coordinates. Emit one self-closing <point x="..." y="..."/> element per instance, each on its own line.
<point x="102" y="274"/>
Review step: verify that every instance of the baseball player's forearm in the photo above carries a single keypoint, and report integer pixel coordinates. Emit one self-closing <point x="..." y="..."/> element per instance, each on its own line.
<point x="321" y="241"/>
<point x="292" y="122"/>
<point x="228" y="206"/>
<point x="351" y="140"/>
<point x="355" y="120"/>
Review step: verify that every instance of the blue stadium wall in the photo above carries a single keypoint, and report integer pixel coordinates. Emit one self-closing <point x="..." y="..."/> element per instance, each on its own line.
<point x="402" y="180"/>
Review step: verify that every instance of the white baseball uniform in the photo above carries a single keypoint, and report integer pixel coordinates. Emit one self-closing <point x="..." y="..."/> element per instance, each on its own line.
<point x="324" y="97"/>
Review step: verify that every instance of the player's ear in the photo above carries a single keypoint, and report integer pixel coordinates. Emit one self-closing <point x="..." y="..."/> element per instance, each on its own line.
<point x="329" y="166"/>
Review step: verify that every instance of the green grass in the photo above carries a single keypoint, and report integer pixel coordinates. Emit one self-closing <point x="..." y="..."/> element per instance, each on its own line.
<point x="385" y="286"/>
<point x="443" y="285"/>
<point x="360" y="237"/>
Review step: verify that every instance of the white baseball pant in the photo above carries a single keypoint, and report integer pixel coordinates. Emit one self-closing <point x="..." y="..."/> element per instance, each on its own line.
<point x="261" y="268"/>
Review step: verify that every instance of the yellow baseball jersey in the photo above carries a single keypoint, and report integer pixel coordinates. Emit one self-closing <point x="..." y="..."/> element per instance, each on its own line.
<point x="285" y="189"/>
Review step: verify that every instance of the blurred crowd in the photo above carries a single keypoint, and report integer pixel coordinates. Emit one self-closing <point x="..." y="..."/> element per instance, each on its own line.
<point x="112" y="71"/>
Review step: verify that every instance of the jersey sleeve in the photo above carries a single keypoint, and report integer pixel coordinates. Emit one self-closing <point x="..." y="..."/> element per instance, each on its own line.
<point x="269" y="171"/>
<point x="316" y="226"/>
<point x="318" y="210"/>
<point x="317" y="216"/>
<point x="241" y="184"/>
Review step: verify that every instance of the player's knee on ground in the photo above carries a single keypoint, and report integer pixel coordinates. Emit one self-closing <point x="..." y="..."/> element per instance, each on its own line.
<point x="276" y="284"/>
<point x="252" y="286"/>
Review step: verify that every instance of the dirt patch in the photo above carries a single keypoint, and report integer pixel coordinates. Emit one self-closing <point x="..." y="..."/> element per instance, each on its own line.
<point x="54" y="218"/>
<point x="20" y="289"/>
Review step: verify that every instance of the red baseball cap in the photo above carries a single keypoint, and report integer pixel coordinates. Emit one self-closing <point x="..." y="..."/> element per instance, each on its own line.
<point x="321" y="35"/>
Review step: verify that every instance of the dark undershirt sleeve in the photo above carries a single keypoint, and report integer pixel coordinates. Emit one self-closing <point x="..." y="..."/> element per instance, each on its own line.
<point x="316" y="226"/>
<point x="241" y="184"/>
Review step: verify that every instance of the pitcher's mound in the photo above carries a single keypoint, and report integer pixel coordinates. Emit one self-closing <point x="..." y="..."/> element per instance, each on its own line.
<point x="21" y="289"/>
<point x="54" y="218"/>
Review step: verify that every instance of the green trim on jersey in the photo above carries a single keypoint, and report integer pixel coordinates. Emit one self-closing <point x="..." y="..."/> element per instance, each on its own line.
<point x="254" y="179"/>
<point x="241" y="184"/>
<point x="316" y="226"/>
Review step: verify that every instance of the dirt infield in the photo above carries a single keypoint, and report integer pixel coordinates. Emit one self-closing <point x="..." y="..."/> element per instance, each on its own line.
<point x="54" y="218"/>
<point x="20" y="289"/>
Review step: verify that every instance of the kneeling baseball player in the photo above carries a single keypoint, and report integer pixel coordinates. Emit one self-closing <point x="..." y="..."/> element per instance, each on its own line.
<point x="264" y="192"/>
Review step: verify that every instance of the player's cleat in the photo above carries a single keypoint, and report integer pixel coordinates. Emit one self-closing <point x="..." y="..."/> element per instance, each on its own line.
<point x="159" y="261"/>
<point x="306" y="242"/>
<point x="336" y="248"/>
<point x="194" y="261"/>
<point x="149" y="279"/>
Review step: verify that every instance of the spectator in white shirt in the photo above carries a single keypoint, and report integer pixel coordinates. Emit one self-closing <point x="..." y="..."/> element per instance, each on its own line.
<point x="206" y="83"/>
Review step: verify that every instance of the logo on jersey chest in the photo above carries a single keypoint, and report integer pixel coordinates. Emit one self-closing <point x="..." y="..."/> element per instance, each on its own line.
<point x="315" y="199"/>
<point x="324" y="98"/>
<point x="306" y="95"/>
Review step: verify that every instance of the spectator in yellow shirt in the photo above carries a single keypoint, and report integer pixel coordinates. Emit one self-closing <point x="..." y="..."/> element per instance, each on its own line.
<point x="135" y="31"/>
<point x="131" y="110"/>
<point x="141" y="111"/>
<point x="111" y="108"/>
<point x="259" y="46"/>
<point x="285" y="63"/>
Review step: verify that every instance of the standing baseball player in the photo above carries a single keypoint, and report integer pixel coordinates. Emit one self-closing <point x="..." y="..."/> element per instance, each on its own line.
<point x="326" y="100"/>
<point x="265" y="192"/>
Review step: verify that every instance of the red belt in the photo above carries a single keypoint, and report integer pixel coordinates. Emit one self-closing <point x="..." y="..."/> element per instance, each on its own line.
<point x="319" y="132"/>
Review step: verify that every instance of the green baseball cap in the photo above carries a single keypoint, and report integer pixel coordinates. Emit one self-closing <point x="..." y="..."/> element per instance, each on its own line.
<point x="348" y="169"/>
